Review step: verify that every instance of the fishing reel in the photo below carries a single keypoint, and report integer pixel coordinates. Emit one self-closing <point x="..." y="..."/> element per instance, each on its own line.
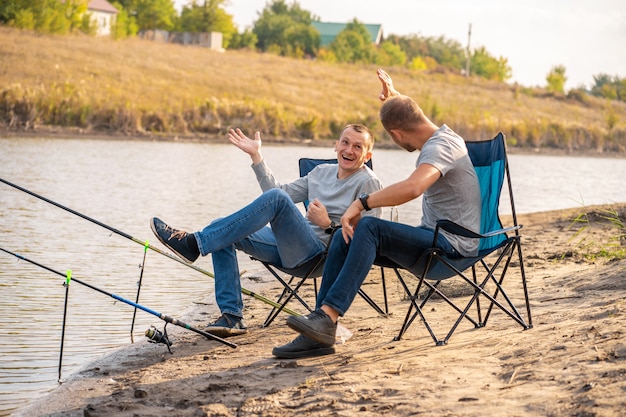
<point x="154" y="335"/>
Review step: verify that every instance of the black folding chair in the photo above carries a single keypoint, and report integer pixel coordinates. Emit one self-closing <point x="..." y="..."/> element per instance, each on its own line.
<point x="311" y="269"/>
<point x="488" y="268"/>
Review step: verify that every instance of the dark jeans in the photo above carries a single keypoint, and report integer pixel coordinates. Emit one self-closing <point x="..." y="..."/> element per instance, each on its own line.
<point x="348" y="264"/>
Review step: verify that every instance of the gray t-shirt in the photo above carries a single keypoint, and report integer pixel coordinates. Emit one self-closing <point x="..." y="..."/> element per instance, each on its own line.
<point x="322" y="183"/>
<point x="456" y="194"/>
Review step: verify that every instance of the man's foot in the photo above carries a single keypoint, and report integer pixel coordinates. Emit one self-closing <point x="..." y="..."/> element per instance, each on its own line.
<point x="226" y="326"/>
<point x="180" y="242"/>
<point x="316" y="325"/>
<point x="302" y="347"/>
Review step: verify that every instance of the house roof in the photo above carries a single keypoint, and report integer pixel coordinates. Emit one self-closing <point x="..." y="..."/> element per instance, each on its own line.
<point x="329" y="30"/>
<point x="101" y="6"/>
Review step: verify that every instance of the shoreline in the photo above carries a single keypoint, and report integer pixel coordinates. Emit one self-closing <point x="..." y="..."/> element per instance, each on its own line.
<point x="572" y="362"/>
<point x="76" y="133"/>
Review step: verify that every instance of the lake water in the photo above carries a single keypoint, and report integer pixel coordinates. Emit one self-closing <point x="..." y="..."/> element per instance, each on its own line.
<point x="123" y="184"/>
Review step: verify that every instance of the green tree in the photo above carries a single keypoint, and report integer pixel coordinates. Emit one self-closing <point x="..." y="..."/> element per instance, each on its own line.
<point x="47" y="16"/>
<point x="125" y="25"/>
<point x="244" y="40"/>
<point x="154" y="14"/>
<point x="208" y="16"/>
<point x="412" y="45"/>
<point x="446" y="53"/>
<point x="354" y="44"/>
<point x="609" y="87"/>
<point x="286" y="30"/>
<point x="390" y="54"/>
<point x="484" y="65"/>
<point x="556" y="79"/>
<point x="420" y="63"/>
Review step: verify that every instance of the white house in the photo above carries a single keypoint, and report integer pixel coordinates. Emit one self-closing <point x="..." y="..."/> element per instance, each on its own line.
<point x="103" y="15"/>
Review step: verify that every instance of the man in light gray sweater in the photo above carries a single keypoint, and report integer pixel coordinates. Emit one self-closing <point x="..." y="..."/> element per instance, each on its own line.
<point x="272" y="228"/>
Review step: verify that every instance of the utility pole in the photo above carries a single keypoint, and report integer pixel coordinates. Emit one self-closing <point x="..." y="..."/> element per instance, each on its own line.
<point x="467" y="53"/>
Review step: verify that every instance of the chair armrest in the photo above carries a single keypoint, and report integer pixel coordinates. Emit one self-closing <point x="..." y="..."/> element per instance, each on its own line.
<point x="456" y="229"/>
<point x="335" y="229"/>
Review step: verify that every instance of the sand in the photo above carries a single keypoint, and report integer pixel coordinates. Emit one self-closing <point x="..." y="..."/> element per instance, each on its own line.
<point x="572" y="362"/>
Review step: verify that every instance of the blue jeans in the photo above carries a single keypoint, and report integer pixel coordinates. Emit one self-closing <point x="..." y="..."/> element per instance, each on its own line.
<point x="374" y="239"/>
<point x="289" y="241"/>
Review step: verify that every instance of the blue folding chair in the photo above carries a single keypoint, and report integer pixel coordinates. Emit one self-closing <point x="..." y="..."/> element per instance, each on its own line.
<point x="311" y="269"/>
<point x="495" y="255"/>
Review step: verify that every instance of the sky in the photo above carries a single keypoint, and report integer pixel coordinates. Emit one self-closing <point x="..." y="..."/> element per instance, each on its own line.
<point x="587" y="37"/>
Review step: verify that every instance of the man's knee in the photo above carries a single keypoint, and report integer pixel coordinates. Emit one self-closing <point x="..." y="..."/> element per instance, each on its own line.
<point x="368" y="224"/>
<point x="277" y="193"/>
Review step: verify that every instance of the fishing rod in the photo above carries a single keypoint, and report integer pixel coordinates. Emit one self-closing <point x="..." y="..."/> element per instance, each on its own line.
<point x="142" y="243"/>
<point x="66" y="284"/>
<point x="166" y="319"/>
<point x="143" y="267"/>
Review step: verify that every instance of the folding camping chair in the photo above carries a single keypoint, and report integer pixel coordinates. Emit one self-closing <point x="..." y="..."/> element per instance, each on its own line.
<point x="311" y="269"/>
<point x="496" y="251"/>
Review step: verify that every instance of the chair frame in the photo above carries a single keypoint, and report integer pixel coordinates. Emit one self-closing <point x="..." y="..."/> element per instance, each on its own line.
<point x="435" y="266"/>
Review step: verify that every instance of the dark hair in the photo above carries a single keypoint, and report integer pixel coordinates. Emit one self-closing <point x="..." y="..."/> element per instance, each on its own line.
<point x="400" y="112"/>
<point x="361" y="129"/>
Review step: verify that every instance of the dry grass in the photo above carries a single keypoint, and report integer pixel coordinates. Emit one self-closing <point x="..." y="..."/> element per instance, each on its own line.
<point x="137" y="86"/>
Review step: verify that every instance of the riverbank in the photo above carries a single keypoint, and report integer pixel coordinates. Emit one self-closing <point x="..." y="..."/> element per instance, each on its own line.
<point x="78" y="134"/>
<point x="136" y="86"/>
<point x="572" y="362"/>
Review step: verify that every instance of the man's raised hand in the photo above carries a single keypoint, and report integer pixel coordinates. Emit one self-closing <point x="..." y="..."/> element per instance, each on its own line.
<point x="250" y="146"/>
<point x="388" y="90"/>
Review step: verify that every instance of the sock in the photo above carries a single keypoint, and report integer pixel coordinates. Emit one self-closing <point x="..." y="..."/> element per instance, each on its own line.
<point x="192" y="243"/>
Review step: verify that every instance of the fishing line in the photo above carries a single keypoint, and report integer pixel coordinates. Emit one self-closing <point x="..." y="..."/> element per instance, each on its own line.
<point x="166" y="319"/>
<point x="142" y="243"/>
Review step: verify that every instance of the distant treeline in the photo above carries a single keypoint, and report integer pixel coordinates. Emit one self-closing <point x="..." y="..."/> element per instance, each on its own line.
<point x="286" y="29"/>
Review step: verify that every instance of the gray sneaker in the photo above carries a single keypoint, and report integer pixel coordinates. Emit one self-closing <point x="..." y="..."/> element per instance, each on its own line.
<point x="302" y="347"/>
<point x="227" y="325"/>
<point x="316" y="325"/>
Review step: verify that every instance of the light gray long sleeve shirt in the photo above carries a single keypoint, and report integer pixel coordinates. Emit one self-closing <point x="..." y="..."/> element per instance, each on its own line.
<point x="322" y="183"/>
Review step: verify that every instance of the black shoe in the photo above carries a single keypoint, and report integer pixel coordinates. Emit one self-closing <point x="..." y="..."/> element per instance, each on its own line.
<point x="316" y="325"/>
<point x="302" y="347"/>
<point x="226" y="326"/>
<point x="180" y="242"/>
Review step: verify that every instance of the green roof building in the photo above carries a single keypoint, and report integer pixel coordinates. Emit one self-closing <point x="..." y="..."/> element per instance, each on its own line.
<point x="328" y="31"/>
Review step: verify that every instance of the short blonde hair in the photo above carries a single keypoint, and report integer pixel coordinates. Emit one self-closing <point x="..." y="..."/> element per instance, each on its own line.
<point x="362" y="129"/>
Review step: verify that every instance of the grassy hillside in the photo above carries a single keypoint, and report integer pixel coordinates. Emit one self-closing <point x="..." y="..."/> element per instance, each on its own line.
<point x="140" y="87"/>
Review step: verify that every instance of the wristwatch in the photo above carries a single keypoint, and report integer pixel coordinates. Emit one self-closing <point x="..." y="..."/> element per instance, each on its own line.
<point x="329" y="230"/>
<point x="363" y="199"/>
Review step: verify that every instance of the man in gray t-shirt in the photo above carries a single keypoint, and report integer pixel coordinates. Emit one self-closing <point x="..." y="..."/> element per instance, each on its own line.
<point x="272" y="228"/>
<point x="444" y="176"/>
<point x="456" y="194"/>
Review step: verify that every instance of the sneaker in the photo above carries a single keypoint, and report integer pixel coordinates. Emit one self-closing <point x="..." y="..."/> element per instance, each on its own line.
<point x="302" y="347"/>
<point x="316" y="325"/>
<point x="226" y="326"/>
<point x="180" y="242"/>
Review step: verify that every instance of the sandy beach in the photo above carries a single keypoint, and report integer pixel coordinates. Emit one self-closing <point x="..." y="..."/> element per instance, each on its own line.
<point x="571" y="363"/>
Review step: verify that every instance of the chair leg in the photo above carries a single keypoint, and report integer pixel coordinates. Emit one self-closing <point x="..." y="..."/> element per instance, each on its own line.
<point x="288" y="291"/>
<point x="512" y="311"/>
<point x="382" y="275"/>
<point x="372" y="303"/>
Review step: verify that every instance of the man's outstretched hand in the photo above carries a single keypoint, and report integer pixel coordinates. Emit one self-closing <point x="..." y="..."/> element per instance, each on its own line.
<point x="388" y="90"/>
<point x="250" y="146"/>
